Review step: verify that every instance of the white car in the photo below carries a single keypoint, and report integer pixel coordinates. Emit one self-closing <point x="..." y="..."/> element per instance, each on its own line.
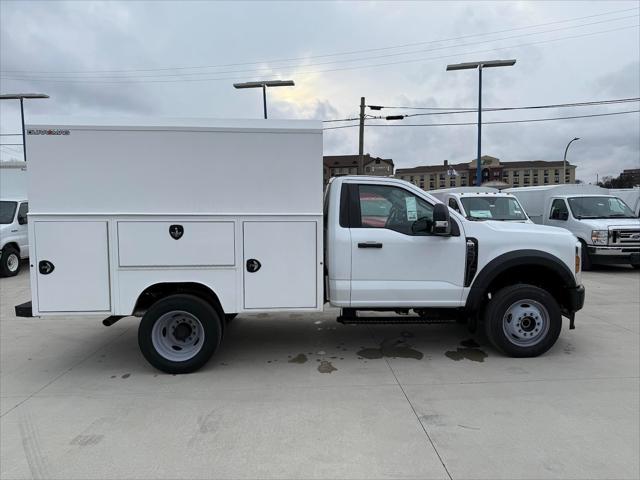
<point x="14" y="241"/>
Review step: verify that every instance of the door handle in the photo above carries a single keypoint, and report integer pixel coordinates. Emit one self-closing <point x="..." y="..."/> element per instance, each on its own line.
<point x="369" y="245"/>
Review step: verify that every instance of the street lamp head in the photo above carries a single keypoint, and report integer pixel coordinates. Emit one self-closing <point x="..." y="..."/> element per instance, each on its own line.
<point x="266" y="83"/>
<point x="577" y="138"/>
<point x="483" y="64"/>
<point x="20" y="96"/>
<point x="375" y="107"/>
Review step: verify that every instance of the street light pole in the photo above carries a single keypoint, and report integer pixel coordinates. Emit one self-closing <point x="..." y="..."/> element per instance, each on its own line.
<point x="21" y="97"/>
<point x="264" y="85"/>
<point x="480" y="66"/>
<point x="564" y="162"/>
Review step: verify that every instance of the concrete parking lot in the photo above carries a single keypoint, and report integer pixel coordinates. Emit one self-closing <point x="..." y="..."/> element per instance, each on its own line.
<point x="301" y="397"/>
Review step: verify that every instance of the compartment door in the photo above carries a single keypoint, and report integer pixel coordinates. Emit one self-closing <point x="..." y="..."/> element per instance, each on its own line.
<point x="78" y="254"/>
<point x="280" y="264"/>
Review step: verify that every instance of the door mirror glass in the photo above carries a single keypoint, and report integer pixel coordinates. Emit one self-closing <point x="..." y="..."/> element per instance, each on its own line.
<point x="441" y="221"/>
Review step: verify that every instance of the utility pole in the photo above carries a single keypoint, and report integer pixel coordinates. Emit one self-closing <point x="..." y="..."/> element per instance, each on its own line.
<point x="361" y="139"/>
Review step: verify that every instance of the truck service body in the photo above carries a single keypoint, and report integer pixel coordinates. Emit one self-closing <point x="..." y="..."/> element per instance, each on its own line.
<point x="607" y="228"/>
<point x="186" y="226"/>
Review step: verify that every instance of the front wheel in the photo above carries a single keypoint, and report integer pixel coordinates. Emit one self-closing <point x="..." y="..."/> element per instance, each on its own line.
<point x="9" y="262"/>
<point x="523" y="321"/>
<point x="179" y="333"/>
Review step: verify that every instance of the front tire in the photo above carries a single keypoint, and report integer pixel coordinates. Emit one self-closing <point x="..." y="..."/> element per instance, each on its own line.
<point x="523" y="321"/>
<point x="9" y="262"/>
<point x="179" y="333"/>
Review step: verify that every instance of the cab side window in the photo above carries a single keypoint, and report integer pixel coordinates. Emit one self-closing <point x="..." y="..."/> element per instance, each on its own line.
<point x="393" y="208"/>
<point x="559" y="210"/>
<point x="22" y="213"/>
<point x="453" y="204"/>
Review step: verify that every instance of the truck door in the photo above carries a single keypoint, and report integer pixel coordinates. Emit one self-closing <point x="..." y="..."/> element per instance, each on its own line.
<point x="393" y="266"/>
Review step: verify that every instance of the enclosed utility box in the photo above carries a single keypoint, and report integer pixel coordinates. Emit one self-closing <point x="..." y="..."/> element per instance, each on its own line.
<point x="151" y="203"/>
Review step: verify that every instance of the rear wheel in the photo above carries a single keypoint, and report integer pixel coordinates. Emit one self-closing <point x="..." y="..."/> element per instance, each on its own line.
<point x="9" y="262"/>
<point x="179" y="333"/>
<point x="523" y="321"/>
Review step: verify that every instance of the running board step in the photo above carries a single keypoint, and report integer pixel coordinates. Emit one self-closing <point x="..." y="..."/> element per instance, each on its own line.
<point x="392" y="320"/>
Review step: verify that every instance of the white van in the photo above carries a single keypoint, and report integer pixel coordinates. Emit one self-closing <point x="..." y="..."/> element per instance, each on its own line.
<point x="607" y="228"/>
<point x="483" y="203"/>
<point x="189" y="225"/>
<point x="14" y="240"/>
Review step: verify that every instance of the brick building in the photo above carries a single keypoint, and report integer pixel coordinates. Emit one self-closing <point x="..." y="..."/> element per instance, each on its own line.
<point x="512" y="174"/>
<point x="338" y="165"/>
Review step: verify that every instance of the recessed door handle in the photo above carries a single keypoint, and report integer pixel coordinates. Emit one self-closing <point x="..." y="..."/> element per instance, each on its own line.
<point x="369" y="245"/>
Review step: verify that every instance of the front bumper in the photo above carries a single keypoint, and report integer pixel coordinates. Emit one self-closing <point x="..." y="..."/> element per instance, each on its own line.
<point x="615" y="255"/>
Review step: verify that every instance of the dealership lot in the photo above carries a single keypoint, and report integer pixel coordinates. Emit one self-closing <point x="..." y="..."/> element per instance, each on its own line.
<point x="293" y="396"/>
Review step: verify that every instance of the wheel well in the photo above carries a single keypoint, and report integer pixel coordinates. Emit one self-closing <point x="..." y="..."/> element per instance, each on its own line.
<point x="537" y="275"/>
<point x="12" y="244"/>
<point x="155" y="292"/>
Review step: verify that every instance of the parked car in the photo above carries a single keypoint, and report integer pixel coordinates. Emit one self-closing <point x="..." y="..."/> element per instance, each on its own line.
<point x="14" y="241"/>
<point x="607" y="228"/>
<point x="238" y="225"/>
<point x="480" y="203"/>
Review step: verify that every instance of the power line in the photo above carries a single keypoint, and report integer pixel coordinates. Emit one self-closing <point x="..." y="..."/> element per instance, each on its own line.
<point x="310" y="72"/>
<point x="454" y="110"/>
<point x="352" y="52"/>
<point x="331" y="62"/>
<point x="484" y="123"/>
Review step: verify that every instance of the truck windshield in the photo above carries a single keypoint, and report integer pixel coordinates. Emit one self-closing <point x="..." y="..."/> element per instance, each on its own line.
<point x="492" y="208"/>
<point x="599" y="207"/>
<point x="7" y="211"/>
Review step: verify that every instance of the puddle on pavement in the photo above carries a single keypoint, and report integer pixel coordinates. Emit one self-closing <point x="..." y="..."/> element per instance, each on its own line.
<point x="391" y="348"/>
<point x="326" y="367"/>
<point x="300" y="358"/>
<point x="469" y="350"/>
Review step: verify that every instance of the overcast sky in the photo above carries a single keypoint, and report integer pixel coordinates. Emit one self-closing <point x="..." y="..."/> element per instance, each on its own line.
<point x="111" y="59"/>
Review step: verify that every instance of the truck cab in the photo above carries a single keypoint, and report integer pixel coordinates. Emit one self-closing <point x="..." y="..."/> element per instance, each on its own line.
<point x="14" y="240"/>
<point x="608" y="229"/>
<point x="484" y="204"/>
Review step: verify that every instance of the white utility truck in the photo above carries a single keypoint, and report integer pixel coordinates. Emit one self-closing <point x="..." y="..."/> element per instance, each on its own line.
<point x="606" y="227"/>
<point x="186" y="226"/>
<point x="482" y="203"/>
<point x="14" y="242"/>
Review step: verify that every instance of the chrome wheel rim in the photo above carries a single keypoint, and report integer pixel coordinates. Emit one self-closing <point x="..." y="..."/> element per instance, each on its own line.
<point x="12" y="262"/>
<point x="525" y="323"/>
<point x="177" y="336"/>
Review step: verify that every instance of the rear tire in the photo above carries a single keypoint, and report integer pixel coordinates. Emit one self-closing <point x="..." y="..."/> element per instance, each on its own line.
<point x="179" y="333"/>
<point x="9" y="262"/>
<point x="522" y="321"/>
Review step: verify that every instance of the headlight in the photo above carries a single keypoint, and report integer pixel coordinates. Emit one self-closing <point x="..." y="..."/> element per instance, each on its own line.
<point x="599" y="237"/>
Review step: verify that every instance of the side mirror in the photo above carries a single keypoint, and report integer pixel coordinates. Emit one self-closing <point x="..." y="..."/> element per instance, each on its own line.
<point x="22" y="219"/>
<point x="563" y="216"/>
<point x="441" y="220"/>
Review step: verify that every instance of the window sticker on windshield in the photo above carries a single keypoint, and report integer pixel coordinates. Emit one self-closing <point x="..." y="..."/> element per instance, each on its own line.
<point x="412" y="208"/>
<point x="481" y="213"/>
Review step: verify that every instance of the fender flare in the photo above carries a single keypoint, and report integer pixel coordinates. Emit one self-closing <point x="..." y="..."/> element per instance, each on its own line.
<point x="513" y="259"/>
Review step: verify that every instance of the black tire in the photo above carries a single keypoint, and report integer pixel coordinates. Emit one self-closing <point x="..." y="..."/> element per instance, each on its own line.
<point x="496" y="320"/>
<point x="9" y="262"/>
<point x="209" y="327"/>
<point x="637" y="267"/>
<point x="586" y="259"/>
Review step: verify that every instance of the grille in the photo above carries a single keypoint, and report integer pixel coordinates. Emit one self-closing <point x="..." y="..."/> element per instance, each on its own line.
<point x="625" y="237"/>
